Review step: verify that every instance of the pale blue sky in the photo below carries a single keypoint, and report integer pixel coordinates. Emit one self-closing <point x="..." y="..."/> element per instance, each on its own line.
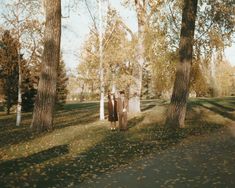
<point x="78" y="27"/>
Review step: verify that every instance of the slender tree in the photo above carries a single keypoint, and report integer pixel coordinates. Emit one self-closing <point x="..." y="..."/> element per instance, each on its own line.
<point x="46" y="94"/>
<point x="177" y="108"/>
<point x="21" y="17"/>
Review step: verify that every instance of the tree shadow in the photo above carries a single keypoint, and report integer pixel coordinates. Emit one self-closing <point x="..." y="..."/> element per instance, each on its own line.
<point x="221" y="106"/>
<point x="102" y="157"/>
<point x="214" y="106"/>
<point x="114" y="151"/>
<point x="148" y="107"/>
<point x="134" y="121"/>
<point x="17" y="165"/>
<point x="16" y="135"/>
<point x="215" y="109"/>
<point x="10" y="134"/>
<point x="77" y="106"/>
<point x="76" y="118"/>
<point x="71" y="115"/>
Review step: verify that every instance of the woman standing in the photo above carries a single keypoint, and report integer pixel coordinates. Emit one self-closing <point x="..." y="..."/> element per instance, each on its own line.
<point x="112" y="111"/>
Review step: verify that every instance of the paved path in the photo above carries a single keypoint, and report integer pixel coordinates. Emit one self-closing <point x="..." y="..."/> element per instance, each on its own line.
<point x="202" y="161"/>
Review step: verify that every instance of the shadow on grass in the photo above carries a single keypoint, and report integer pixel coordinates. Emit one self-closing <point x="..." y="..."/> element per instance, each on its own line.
<point x="134" y="121"/>
<point x="71" y="115"/>
<point x="79" y="115"/>
<point x="10" y="134"/>
<point x="222" y="107"/>
<point x="149" y="104"/>
<point x="148" y="107"/>
<point x="115" y="150"/>
<point x="219" y="111"/>
<point x="17" y="165"/>
<point x="76" y="118"/>
<point x="214" y="106"/>
<point x="103" y="156"/>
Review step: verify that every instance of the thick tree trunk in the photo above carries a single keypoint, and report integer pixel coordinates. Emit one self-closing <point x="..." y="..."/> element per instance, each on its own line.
<point x="177" y="108"/>
<point x="135" y="88"/>
<point x="45" y="99"/>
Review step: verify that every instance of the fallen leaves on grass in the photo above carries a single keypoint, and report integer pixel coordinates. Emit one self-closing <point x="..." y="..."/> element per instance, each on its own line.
<point x="79" y="151"/>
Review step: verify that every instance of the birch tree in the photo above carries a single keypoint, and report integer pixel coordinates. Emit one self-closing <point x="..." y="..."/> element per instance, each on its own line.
<point x="145" y="9"/>
<point x="21" y="19"/>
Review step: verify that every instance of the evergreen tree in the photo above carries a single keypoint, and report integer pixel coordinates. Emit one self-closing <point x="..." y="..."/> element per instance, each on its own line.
<point x="62" y="81"/>
<point x="9" y="66"/>
<point x="28" y="90"/>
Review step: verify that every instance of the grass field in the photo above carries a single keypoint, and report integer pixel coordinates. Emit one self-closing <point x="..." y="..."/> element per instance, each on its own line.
<point x="81" y="147"/>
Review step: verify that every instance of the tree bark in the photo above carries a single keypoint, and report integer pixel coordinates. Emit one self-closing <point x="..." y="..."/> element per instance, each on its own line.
<point x="8" y="108"/>
<point x="213" y="81"/>
<point x="135" y="88"/>
<point x="102" y="91"/>
<point x="177" y="109"/>
<point x="45" y="99"/>
<point x="19" y="100"/>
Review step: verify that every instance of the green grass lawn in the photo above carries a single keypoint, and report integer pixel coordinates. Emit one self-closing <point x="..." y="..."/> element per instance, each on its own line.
<point x="81" y="147"/>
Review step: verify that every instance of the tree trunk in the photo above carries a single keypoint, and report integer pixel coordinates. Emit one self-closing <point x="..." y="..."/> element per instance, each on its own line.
<point x="177" y="109"/>
<point x="101" y="62"/>
<point x="113" y="82"/>
<point x="81" y="95"/>
<point x="213" y="81"/>
<point x="19" y="101"/>
<point x="45" y="99"/>
<point x="8" y="108"/>
<point x="135" y="88"/>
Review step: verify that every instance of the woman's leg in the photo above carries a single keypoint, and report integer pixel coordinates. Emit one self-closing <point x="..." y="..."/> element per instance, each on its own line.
<point x="115" y="125"/>
<point x="111" y="125"/>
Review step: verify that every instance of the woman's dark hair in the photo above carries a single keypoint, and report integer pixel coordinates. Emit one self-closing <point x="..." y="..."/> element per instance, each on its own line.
<point x="109" y="96"/>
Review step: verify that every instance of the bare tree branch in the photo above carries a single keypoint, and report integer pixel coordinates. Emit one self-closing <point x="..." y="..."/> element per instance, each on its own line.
<point x="92" y="17"/>
<point x="173" y="18"/>
<point x="127" y="29"/>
